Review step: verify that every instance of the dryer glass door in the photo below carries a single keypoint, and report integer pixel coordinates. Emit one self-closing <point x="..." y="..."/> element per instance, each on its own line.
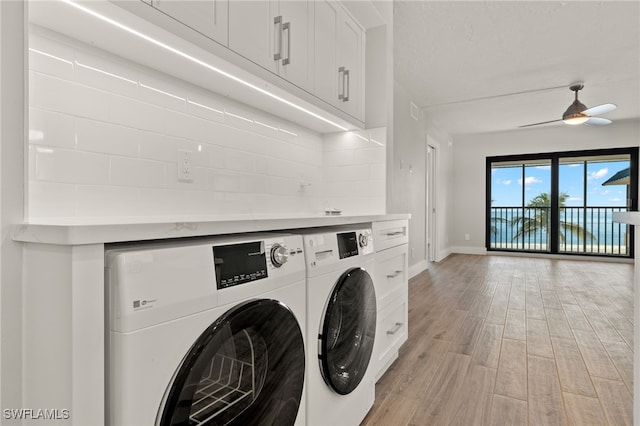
<point x="348" y="331"/>
<point x="247" y="368"/>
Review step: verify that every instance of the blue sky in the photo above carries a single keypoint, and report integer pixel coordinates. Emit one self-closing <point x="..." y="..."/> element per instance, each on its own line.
<point x="507" y="184"/>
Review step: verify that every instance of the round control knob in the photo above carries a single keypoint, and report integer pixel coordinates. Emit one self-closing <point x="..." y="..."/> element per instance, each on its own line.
<point x="279" y="255"/>
<point x="363" y="240"/>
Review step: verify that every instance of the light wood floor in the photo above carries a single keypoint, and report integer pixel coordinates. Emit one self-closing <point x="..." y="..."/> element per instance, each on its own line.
<point x="502" y="340"/>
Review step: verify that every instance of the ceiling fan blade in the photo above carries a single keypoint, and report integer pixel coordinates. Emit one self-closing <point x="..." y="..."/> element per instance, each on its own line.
<point x="599" y="109"/>
<point x="537" y="124"/>
<point x="597" y="121"/>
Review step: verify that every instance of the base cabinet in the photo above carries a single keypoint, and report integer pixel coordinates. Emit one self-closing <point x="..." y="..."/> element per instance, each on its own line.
<point x="391" y="283"/>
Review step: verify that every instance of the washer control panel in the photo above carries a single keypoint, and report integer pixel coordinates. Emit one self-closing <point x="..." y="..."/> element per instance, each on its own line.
<point x="243" y="262"/>
<point x="279" y="255"/>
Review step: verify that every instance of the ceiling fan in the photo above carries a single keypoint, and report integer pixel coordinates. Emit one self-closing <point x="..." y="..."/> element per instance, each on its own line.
<point x="578" y="113"/>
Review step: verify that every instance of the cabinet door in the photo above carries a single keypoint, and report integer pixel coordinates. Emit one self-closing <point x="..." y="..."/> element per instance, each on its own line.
<point x="326" y="19"/>
<point x="208" y="17"/>
<point x="252" y="31"/>
<point x="294" y="65"/>
<point x="351" y="47"/>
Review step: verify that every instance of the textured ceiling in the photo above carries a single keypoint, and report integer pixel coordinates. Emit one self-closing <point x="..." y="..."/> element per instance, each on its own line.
<point x="483" y="66"/>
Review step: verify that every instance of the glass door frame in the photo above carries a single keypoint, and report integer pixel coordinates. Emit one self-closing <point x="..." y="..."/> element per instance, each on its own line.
<point x="555" y="157"/>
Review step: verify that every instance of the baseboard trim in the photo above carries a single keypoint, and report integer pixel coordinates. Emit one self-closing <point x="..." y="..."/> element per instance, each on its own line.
<point x="469" y="250"/>
<point x="442" y="255"/>
<point x="414" y="270"/>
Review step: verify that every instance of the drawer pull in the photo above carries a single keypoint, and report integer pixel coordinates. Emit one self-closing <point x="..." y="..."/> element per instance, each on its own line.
<point x="395" y="274"/>
<point x="394" y="233"/>
<point x="396" y="328"/>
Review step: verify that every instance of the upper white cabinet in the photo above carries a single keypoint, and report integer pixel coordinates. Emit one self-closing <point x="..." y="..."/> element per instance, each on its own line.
<point x="274" y="35"/>
<point x="339" y="58"/>
<point x="327" y="21"/>
<point x="208" y="17"/>
<point x="316" y="45"/>
<point x="351" y="67"/>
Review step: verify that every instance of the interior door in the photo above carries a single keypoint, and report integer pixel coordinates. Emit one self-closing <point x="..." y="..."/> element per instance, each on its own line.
<point x="348" y="331"/>
<point x="247" y="368"/>
<point x="431" y="204"/>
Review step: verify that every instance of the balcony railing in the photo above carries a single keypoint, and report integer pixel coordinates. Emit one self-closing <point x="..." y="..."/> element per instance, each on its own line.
<point x="586" y="230"/>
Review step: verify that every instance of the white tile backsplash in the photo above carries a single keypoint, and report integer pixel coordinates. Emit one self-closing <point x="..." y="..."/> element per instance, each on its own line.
<point x="101" y="137"/>
<point x="71" y="166"/>
<point x="104" y="134"/>
<point x="51" y="129"/>
<point x="354" y="171"/>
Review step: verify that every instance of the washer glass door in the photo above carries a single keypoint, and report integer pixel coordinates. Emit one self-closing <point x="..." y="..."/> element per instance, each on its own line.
<point x="247" y="368"/>
<point x="348" y="331"/>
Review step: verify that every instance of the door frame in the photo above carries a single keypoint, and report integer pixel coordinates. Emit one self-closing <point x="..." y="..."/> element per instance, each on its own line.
<point x="431" y="199"/>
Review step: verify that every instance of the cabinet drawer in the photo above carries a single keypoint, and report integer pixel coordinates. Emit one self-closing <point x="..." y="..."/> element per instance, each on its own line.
<point x="390" y="234"/>
<point x="391" y="277"/>
<point x="392" y="332"/>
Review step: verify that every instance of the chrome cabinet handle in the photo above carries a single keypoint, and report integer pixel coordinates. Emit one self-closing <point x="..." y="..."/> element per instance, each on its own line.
<point x="341" y="70"/>
<point x="287" y="27"/>
<point x="394" y="274"/>
<point x="395" y="329"/>
<point x="348" y="86"/>
<point x="277" y="22"/>
<point x="393" y="234"/>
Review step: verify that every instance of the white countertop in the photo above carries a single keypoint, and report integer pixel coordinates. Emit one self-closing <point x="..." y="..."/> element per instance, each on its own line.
<point x="94" y="231"/>
<point x="630" y="218"/>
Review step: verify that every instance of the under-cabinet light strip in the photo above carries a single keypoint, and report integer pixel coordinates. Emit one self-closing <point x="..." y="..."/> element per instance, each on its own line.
<point x="198" y="61"/>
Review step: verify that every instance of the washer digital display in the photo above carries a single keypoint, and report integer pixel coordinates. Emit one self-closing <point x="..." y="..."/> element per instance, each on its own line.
<point x="347" y="244"/>
<point x="239" y="263"/>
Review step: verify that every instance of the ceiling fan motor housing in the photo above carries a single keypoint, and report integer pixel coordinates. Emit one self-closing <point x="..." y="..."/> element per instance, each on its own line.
<point x="574" y="114"/>
<point x="574" y="110"/>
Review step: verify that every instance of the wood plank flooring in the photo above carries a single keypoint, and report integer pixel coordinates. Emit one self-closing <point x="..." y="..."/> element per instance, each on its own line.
<point x="497" y="340"/>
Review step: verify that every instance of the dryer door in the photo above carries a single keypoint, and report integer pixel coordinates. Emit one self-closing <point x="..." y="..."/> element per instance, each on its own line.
<point x="348" y="331"/>
<point x="247" y="368"/>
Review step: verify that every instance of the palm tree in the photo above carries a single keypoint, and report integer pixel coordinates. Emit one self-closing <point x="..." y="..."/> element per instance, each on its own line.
<point x="541" y="204"/>
<point x="494" y="220"/>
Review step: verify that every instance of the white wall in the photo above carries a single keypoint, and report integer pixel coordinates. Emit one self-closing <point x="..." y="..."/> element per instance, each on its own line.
<point x="408" y="181"/>
<point x="104" y="137"/>
<point x="11" y="202"/>
<point x="444" y="188"/>
<point x="470" y="152"/>
<point x="407" y="194"/>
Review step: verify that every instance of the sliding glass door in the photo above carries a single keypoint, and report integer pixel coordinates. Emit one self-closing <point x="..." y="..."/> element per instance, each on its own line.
<point x="561" y="202"/>
<point x="520" y="204"/>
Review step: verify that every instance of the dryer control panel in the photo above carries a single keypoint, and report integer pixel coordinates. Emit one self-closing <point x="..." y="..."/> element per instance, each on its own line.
<point x="354" y="243"/>
<point x="326" y="249"/>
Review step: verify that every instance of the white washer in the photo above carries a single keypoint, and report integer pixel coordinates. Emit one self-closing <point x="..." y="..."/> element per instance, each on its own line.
<point x="341" y="325"/>
<point x="207" y="331"/>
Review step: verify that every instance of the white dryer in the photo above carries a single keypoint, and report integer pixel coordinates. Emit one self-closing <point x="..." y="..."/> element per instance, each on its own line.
<point x="208" y="331"/>
<point x="341" y="326"/>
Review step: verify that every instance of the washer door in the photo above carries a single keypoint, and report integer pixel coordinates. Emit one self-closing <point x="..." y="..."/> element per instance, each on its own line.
<point x="247" y="368"/>
<point x="348" y="331"/>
